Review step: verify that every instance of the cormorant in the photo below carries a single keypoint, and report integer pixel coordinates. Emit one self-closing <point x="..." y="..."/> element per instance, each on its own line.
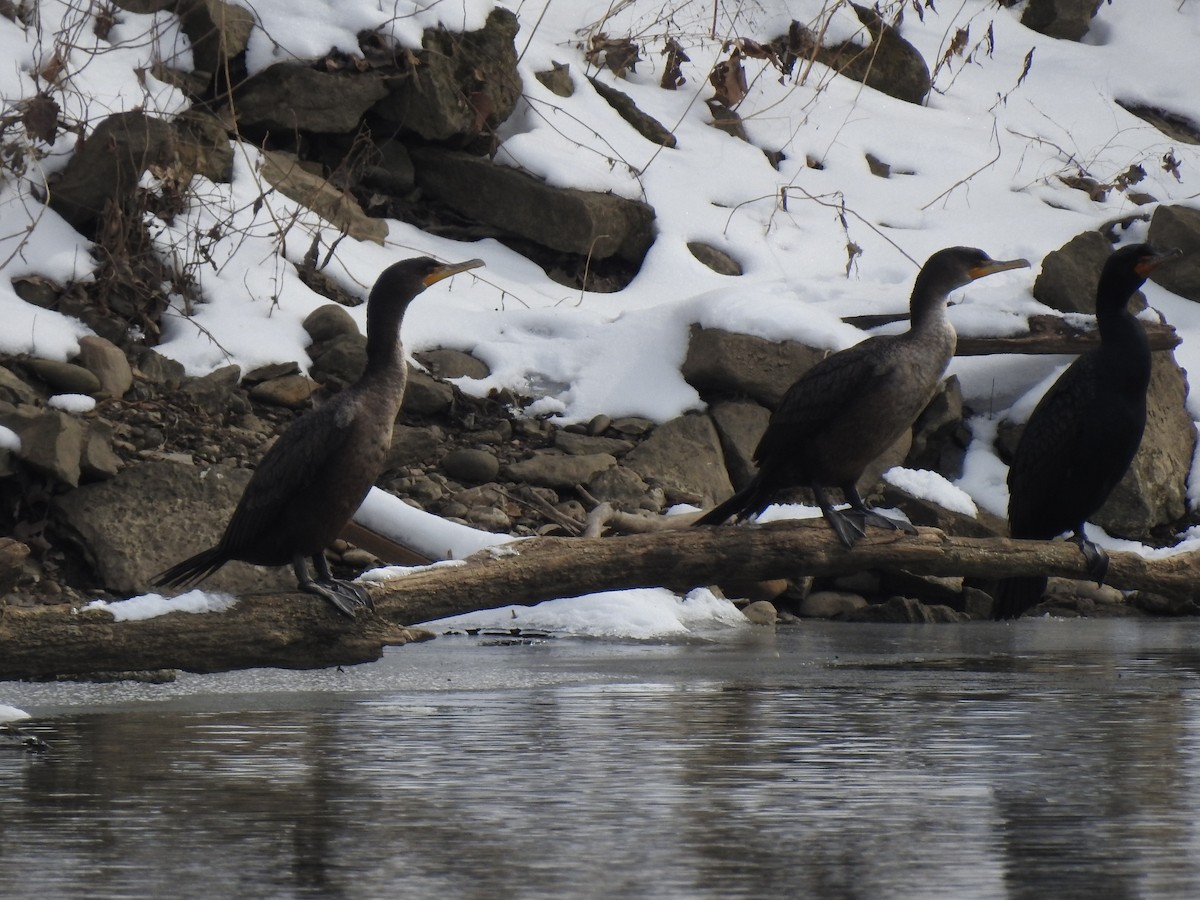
<point x="851" y="406"/>
<point x="316" y="475"/>
<point x="1084" y="432"/>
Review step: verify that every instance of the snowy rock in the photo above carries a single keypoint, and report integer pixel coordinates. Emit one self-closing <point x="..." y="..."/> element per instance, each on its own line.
<point x="724" y="363"/>
<point x="1070" y="275"/>
<point x="450" y="364"/>
<point x="717" y="260"/>
<point x="328" y="322"/>
<point x="1065" y="19"/>
<point x="584" y="444"/>
<point x="51" y="441"/>
<point x="291" y="391"/>
<point x="65" y="378"/>
<point x="426" y="396"/>
<point x="290" y="97"/>
<point x="1178" y="228"/>
<point x="646" y="125"/>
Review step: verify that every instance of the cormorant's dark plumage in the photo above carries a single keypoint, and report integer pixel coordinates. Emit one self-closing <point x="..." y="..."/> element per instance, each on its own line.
<point x="1084" y="432"/>
<point x="850" y="407"/>
<point x="316" y="475"/>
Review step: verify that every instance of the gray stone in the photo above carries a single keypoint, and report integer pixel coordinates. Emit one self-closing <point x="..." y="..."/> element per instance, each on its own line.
<point x="830" y="605"/>
<point x="684" y="457"/>
<point x="51" y="441"/>
<point x="448" y="364"/>
<point x="1178" y="228"/>
<point x="412" y="444"/>
<point x="633" y="426"/>
<point x="940" y="437"/>
<point x="583" y="444"/>
<point x="109" y="164"/>
<point x="14" y="390"/>
<point x="1064" y="19"/>
<point x="717" y="260"/>
<point x="290" y="391"/>
<point x="1071" y="274"/>
<point x="740" y="424"/>
<point x="218" y="31"/>
<point x="203" y="147"/>
<point x="62" y="377"/>
<point x="723" y="362"/>
<point x="392" y="172"/>
<point x="152" y="366"/>
<point x="558" y="470"/>
<point x="107" y="362"/>
<point x="151" y="516"/>
<point x="598" y="225"/>
<point x="625" y="490"/>
<point x="761" y="612"/>
<point x="37" y="290"/>
<point x="330" y="321"/>
<point x="269" y="371"/>
<point x="289" y="97"/>
<point x="97" y="460"/>
<point x="471" y="464"/>
<point x="644" y="124"/>
<point x="286" y="173"/>
<point x="906" y="610"/>
<point x="929" y="514"/>
<point x="339" y="361"/>
<point x="557" y="79"/>
<point x="426" y="396"/>
<point x="212" y="392"/>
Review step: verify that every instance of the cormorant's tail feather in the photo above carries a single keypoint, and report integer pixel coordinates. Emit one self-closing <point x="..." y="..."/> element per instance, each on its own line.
<point x="751" y="499"/>
<point x="192" y="570"/>
<point x="1016" y="595"/>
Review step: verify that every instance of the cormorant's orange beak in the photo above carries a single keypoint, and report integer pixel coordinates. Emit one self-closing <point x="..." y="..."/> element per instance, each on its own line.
<point x="997" y="265"/>
<point x="450" y="269"/>
<point x="1149" y="263"/>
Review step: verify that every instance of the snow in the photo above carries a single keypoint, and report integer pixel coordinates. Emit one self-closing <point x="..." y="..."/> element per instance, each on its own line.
<point x="73" y="403"/>
<point x="148" y="606"/>
<point x="12" y="714"/>
<point x="9" y="439"/>
<point x="978" y="164"/>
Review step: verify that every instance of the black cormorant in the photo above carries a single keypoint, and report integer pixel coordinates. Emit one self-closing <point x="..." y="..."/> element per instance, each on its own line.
<point x="316" y="475"/>
<point x="1084" y="432"/>
<point x="851" y="406"/>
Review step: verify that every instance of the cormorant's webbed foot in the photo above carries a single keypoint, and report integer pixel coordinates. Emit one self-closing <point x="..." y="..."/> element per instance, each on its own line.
<point x="348" y="598"/>
<point x="863" y="515"/>
<point x="847" y="530"/>
<point x="1096" y="558"/>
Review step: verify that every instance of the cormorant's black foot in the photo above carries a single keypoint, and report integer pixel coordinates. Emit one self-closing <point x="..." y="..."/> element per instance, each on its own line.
<point x="1096" y="558"/>
<point x="864" y="517"/>
<point x="847" y="530"/>
<point x="346" y="596"/>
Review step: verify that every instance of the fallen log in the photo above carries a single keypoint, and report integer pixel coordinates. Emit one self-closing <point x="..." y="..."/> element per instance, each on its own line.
<point x="301" y="631"/>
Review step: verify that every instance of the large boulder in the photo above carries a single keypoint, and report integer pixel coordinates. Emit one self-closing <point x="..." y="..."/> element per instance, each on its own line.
<point x="289" y="97"/>
<point x="564" y="219"/>
<point x="1178" y="228"/>
<point x="683" y="456"/>
<point x="1070" y="275"/>
<point x="726" y="363"/>
<point x="1065" y="19"/>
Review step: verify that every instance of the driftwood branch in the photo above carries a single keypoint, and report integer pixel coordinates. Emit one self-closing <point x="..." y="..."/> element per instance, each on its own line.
<point x="302" y="631"/>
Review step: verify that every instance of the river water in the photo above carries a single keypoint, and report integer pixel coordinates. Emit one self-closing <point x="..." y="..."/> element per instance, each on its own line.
<point x="1043" y="758"/>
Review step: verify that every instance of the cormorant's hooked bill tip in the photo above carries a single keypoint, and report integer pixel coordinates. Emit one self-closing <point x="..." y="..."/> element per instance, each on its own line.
<point x="992" y="266"/>
<point x="1152" y="261"/>
<point x="450" y="269"/>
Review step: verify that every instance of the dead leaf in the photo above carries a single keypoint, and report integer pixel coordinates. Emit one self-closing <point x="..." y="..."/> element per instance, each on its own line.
<point x="728" y="79"/>
<point x="1171" y="164"/>
<point x="618" y="54"/>
<point x="672" y="76"/>
<point x="40" y="118"/>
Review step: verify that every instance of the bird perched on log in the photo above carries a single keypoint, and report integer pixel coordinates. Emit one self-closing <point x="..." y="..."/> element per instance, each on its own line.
<point x="851" y="406"/>
<point x="316" y="475"/>
<point x="1083" y="434"/>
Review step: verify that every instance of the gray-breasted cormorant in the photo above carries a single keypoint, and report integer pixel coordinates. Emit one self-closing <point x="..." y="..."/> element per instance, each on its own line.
<point x="1084" y="432"/>
<point x="851" y="406"/>
<point x="316" y="475"/>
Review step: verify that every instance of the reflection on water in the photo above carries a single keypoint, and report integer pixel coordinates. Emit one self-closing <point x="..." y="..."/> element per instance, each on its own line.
<point x="1041" y="759"/>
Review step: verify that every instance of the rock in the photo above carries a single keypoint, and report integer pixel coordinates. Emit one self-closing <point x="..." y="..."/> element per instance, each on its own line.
<point x="218" y="32"/>
<point x="391" y="171"/>
<point x="412" y="444"/>
<point x="153" y="515"/>
<point x="684" y="457"/>
<point x="632" y="426"/>
<point x="830" y="605"/>
<point x="940" y="437"/>
<point x="203" y="146"/>
<point x="646" y="125"/>
<point x="557" y="79"/>
<point x="598" y="225"/>
<point x="98" y="462"/>
<point x="51" y="441"/>
<point x="426" y="396"/>
<point x="471" y="464"/>
<point x="37" y="290"/>
<point x="107" y="362"/>
<point x="740" y="425"/>
<point x="158" y="369"/>
<point x="761" y="612"/>
<point x="557" y="470"/>
<point x="14" y="390"/>
<point x="1065" y="19"/>
<point x="599" y="424"/>
<point x="584" y="444"/>
<point x="489" y="518"/>
<point x="929" y="514"/>
<point x="449" y="364"/>
<point x="1070" y="275"/>
<point x="625" y="490"/>
<point x="717" y="260"/>
<point x="292" y="97"/>
<point x="290" y="391"/>
<point x="1154" y="490"/>
<point x="284" y="172"/>
<point x="269" y="371"/>
<point x="63" y="378"/>
<point x="906" y="610"/>
<point x="1178" y="228"/>
<point x="330" y="321"/>
<point x="109" y="164"/>
<point x="458" y="86"/>
<point x="212" y="392"/>
<point x="340" y="361"/>
<point x="722" y="362"/>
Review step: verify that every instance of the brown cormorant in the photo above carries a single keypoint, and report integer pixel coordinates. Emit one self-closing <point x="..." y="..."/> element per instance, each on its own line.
<point x="851" y="406"/>
<point x="316" y="475"/>
<point x="1084" y="432"/>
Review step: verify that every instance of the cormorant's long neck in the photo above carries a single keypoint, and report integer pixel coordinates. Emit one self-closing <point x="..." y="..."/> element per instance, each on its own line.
<point x="1113" y="318"/>
<point x="384" y="351"/>
<point x="927" y="305"/>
